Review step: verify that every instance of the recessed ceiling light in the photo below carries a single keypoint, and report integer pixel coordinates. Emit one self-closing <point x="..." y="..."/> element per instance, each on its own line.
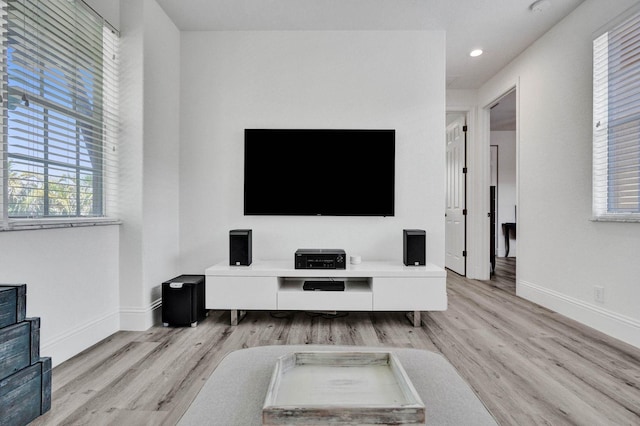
<point x="476" y="52"/>
<point x="540" y="6"/>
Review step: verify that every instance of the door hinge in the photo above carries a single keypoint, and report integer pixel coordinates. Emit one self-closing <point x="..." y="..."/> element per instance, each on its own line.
<point x="464" y="253"/>
<point x="464" y="212"/>
<point x="464" y="170"/>
<point x="464" y="128"/>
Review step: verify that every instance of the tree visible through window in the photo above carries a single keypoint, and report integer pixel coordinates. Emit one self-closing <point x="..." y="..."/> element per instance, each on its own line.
<point x="58" y="62"/>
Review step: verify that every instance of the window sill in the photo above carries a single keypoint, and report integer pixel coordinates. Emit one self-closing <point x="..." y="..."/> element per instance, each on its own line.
<point x="33" y="224"/>
<point x="626" y="219"/>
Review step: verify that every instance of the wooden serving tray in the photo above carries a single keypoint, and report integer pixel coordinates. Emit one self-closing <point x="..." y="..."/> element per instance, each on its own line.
<point x="341" y="388"/>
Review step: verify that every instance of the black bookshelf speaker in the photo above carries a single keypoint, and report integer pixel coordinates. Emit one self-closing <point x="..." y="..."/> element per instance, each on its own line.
<point x="414" y="243"/>
<point x="240" y="247"/>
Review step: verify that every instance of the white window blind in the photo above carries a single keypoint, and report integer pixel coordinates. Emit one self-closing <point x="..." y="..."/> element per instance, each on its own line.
<point x="3" y="108"/>
<point x="60" y="109"/>
<point x="616" y="113"/>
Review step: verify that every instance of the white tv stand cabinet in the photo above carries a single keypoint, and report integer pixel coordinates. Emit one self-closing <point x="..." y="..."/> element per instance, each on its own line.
<point x="369" y="286"/>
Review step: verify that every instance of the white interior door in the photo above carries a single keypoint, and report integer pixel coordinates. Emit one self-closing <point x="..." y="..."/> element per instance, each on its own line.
<point x="455" y="229"/>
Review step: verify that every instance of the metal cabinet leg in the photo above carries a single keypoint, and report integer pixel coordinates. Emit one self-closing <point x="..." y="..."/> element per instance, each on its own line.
<point x="236" y="316"/>
<point x="414" y="318"/>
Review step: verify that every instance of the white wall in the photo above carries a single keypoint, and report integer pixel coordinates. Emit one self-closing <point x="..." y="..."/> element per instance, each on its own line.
<point x="108" y="9"/>
<point x="72" y="284"/>
<point x="506" y="142"/>
<point x="236" y="80"/>
<point x="562" y="254"/>
<point x="131" y="159"/>
<point x="461" y="100"/>
<point x="161" y="149"/>
<point x="149" y="246"/>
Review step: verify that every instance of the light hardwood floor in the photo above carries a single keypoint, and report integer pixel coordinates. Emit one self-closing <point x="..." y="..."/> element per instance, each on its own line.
<point x="527" y="364"/>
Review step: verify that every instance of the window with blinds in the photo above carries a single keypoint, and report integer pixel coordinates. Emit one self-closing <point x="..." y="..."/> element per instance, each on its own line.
<point x="616" y="114"/>
<point x="59" y="111"/>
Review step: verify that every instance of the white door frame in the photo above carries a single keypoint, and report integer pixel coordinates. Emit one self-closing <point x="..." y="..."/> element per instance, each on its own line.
<point x="478" y="162"/>
<point x="478" y="176"/>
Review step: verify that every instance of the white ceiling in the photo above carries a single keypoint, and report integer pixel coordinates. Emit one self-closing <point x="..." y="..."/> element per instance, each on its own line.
<point x="502" y="28"/>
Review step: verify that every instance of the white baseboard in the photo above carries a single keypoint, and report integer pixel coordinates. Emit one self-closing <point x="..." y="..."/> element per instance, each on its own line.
<point x="70" y="343"/>
<point x="66" y="345"/>
<point x="140" y="319"/>
<point x="619" y="326"/>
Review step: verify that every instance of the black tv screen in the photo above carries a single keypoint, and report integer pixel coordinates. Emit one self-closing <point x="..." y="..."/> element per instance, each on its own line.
<point x="319" y="172"/>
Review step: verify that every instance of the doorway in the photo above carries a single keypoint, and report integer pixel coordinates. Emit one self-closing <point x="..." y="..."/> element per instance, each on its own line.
<point x="503" y="177"/>
<point x="456" y="193"/>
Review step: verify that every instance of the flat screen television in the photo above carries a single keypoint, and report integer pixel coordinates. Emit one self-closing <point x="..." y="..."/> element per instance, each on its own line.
<point x="319" y="172"/>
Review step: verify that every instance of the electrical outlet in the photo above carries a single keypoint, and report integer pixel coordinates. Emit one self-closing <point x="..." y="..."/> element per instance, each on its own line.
<point x="598" y="294"/>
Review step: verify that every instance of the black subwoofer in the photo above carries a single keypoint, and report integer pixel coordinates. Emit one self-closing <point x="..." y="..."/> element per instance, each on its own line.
<point x="240" y="247"/>
<point x="183" y="300"/>
<point x="414" y="243"/>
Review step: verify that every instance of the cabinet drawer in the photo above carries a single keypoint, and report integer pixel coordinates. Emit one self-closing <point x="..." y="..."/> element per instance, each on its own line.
<point x="324" y="301"/>
<point x="241" y="292"/>
<point x="410" y="294"/>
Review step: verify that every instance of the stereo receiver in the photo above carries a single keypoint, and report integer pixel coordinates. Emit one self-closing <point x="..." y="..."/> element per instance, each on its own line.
<point x="320" y="259"/>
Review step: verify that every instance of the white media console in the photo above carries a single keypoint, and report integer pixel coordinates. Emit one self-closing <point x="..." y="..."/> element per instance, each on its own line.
<point x="369" y="286"/>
